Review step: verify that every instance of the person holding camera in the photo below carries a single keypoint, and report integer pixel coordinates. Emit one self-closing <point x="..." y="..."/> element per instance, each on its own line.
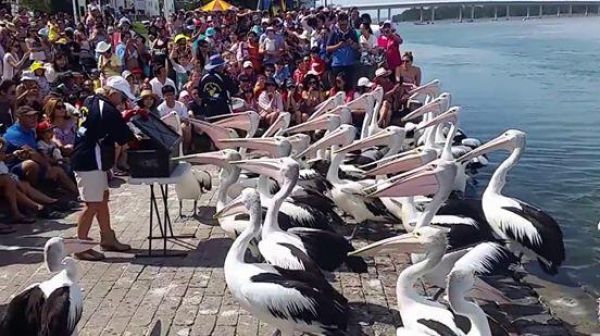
<point x="343" y="46"/>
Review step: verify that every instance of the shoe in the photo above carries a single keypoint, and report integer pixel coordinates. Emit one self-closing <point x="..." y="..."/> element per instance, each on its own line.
<point x="48" y="213"/>
<point x="109" y="242"/>
<point x="89" y="255"/>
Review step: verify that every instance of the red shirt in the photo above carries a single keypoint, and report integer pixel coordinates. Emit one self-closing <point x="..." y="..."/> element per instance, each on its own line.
<point x="391" y="46"/>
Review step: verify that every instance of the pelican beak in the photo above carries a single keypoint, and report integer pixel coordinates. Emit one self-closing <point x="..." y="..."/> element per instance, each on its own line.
<point x="299" y="142"/>
<point x="215" y="132"/>
<point x="379" y="139"/>
<point x="235" y="207"/>
<point x="276" y="147"/>
<point x="501" y="142"/>
<point x="341" y="136"/>
<point x="74" y="245"/>
<point x="282" y="122"/>
<point x="406" y="243"/>
<point x="404" y="163"/>
<point x="433" y="106"/>
<point x="217" y="158"/>
<point x="429" y="88"/>
<point x="267" y="167"/>
<point x="242" y="121"/>
<point x="483" y="291"/>
<point x="450" y="116"/>
<point x="322" y="122"/>
<point x="421" y="181"/>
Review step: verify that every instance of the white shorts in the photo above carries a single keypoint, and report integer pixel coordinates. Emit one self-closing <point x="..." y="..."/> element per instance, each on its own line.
<point x="92" y="185"/>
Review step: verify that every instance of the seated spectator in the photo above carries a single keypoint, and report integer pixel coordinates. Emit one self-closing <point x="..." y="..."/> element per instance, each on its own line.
<point x="63" y="123"/>
<point x="259" y="87"/>
<point x="250" y="100"/>
<point x="148" y="101"/>
<point x="29" y="165"/>
<point x="46" y="145"/>
<point x="7" y="99"/>
<point x="170" y="104"/>
<point x="409" y="73"/>
<point x="342" y="84"/>
<point x="108" y="63"/>
<point x="270" y="103"/>
<point x="393" y="98"/>
<point x="282" y="73"/>
<point x="301" y="70"/>
<point x="248" y="72"/>
<point x="294" y="101"/>
<point x="312" y="95"/>
<point x="39" y="72"/>
<point x="161" y="80"/>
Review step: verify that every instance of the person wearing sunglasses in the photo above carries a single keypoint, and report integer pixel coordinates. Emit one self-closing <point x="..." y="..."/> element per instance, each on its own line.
<point x="410" y="74"/>
<point x="312" y="95"/>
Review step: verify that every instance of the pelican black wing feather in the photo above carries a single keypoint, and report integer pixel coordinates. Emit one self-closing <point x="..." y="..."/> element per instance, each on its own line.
<point x="55" y="315"/>
<point x="377" y="208"/>
<point x="332" y="314"/>
<point x="329" y="250"/>
<point x="440" y="328"/>
<point x="551" y="251"/>
<point x="285" y="221"/>
<point x="23" y="314"/>
<point x="309" y="264"/>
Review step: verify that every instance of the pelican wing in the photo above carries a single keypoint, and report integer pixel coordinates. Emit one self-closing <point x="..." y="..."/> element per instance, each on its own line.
<point x="487" y="259"/>
<point x="25" y="307"/>
<point x="60" y="314"/>
<point x="288" y="298"/>
<point x="437" y="328"/>
<point x="538" y="232"/>
<point x="287" y="256"/>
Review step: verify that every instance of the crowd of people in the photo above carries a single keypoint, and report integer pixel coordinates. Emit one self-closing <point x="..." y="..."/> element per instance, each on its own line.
<point x="68" y="87"/>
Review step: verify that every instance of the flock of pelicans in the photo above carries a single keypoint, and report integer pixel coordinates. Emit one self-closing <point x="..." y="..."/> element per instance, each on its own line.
<point x="278" y="196"/>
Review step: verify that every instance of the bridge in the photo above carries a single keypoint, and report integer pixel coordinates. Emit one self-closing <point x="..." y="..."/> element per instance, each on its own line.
<point x="591" y="6"/>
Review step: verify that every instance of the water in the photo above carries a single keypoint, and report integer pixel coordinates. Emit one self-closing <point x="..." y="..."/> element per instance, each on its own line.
<point x="542" y="77"/>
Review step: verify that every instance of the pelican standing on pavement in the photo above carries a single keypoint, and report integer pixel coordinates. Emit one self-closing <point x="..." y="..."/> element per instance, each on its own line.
<point x="292" y="301"/>
<point x="52" y="307"/>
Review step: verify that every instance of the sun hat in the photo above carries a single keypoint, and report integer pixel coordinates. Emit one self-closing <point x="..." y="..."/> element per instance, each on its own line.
<point x="180" y="37"/>
<point x="215" y="61"/>
<point x="36" y="66"/>
<point x="247" y="64"/>
<point x="382" y="72"/>
<point x="365" y="82"/>
<point x="120" y="84"/>
<point x="126" y="74"/>
<point x="147" y="93"/>
<point x="102" y="47"/>
<point x="183" y="94"/>
<point x="210" y="32"/>
<point x="28" y="75"/>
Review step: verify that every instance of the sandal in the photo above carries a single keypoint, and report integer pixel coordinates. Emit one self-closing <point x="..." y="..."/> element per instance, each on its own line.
<point x="89" y="255"/>
<point x="120" y="173"/>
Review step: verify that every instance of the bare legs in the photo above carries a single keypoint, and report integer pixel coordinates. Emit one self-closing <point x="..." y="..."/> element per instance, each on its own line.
<point x="98" y="210"/>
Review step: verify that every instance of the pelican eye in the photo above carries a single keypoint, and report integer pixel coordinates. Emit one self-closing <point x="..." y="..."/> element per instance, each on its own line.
<point x="417" y="234"/>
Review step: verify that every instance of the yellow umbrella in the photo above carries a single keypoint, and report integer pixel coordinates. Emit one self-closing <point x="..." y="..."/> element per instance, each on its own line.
<point x="217" y="5"/>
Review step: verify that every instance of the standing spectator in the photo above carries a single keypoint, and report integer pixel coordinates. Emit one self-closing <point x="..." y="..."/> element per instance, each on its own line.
<point x="215" y="88"/>
<point x="368" y="51"/>
<point x="108" y="63"/>
<point x="170" y="104"/>
<point x="343" y="46"/>
<point x="10" y="63"/>
<point x="390" y="42"/>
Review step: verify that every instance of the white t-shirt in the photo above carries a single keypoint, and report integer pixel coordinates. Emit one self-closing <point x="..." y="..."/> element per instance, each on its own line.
<point x="180" y="108"/>
<point x="157" y="86"/>
<point x="8" y="71"/>
<point x="371" y="42"/>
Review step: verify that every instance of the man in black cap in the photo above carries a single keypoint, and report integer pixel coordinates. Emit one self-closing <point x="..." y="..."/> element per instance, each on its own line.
<point x="216" y="88"/>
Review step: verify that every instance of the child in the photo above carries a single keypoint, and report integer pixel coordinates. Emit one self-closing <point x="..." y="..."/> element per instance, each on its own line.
<point x="46" y="144"/>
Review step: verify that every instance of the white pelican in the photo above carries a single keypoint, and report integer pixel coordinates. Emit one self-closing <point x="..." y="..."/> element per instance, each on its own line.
<point x="279" y="126"/>
<point x="484" y="258"/>
<point x="244" y="121"/>
<point x="191" y="187"/>
<point x="327" y="249"/>
<point x="292" y="301"/>
<point x="52" y="307"/>
<point x="291" y="214"/>
<point x="530" y="229"/>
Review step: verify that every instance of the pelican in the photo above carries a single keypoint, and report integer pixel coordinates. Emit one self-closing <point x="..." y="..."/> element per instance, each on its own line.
<point x="290" y="300"/>
<point x="191" y="187"/>
<point x="279" y="125"/>
<point x="52" y="307"/>
<point x="347" y="194"/>
<point x="530" y="229"/>
<point x="482" y="259"/>
<point x="327" y="249"/>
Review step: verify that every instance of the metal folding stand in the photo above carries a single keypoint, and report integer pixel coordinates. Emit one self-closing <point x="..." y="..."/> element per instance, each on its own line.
<point x="164" y="224"/>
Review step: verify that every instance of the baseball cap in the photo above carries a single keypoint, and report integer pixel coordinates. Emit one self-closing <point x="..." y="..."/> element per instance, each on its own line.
<point x="364" y="81"/>
<point x="43" y="126"/>
<point x="126" y="74"/>
<point x="247" y="64"/>
<point x="120" y="84"/>
<point x="36" y="66"/>
<point x="26" y="110"/>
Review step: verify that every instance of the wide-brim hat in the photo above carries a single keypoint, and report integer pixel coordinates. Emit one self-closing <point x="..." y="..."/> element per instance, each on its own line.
<point x="102" y="47"/>
<point x="214" y="62"/>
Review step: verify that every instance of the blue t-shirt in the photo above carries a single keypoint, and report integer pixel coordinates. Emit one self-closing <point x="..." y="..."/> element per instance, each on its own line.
<point x="16" y="137"/>
<point x="345" y="55"/>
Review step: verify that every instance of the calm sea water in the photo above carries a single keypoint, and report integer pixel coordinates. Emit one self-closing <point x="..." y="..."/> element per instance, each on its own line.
<point x="542" y="77"/>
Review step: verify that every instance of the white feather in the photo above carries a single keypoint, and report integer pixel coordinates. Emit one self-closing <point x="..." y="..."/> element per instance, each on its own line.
<point x="481" y="258"/>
